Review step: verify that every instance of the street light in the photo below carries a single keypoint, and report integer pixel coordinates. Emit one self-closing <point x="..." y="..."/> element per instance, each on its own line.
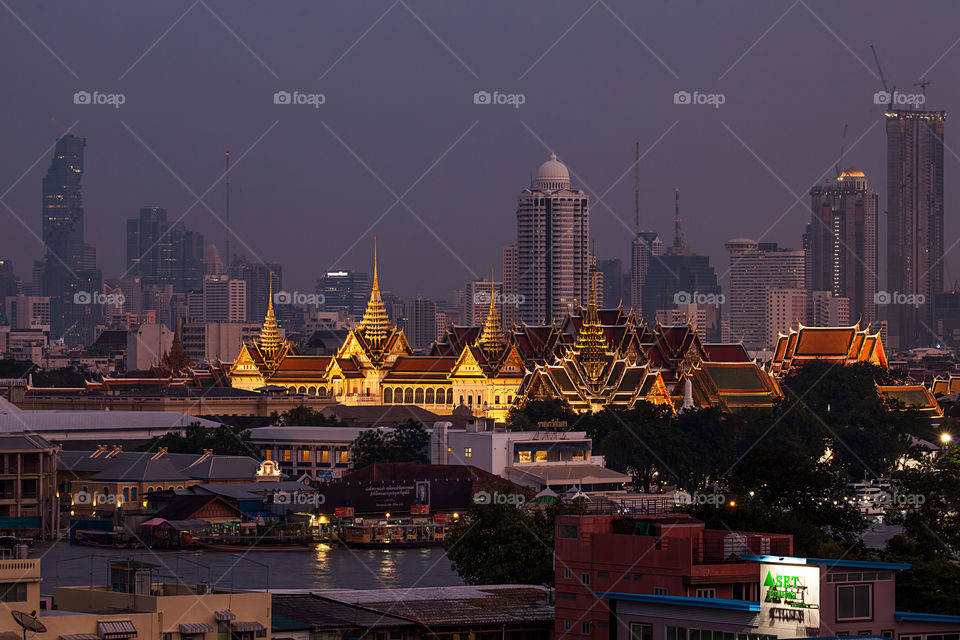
<point x="946" y="438"/>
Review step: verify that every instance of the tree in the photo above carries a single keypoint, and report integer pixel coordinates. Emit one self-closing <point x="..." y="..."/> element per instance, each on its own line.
<point x="406" y="442"/>
<point x="304" y="417"/>
<point x="503" y="544"/>
<point x="532" y="412"/>
<point x="223" y="440"/>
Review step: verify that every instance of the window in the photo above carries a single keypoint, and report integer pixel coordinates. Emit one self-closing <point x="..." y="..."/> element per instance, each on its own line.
<point x="566" y="625"/>
<point x="565" y="595"/>
<point x="659" y="591"/>
<point x="133" y="493"/>
<point x="568" y="531"/>
<point x="887" y="633"/>
<point x="541" y="456"/>
<point x="706" y="593"/>
<point x="286" y="455"/>
<point x="641" y="631"/>
<point x="14" y="592"/>
<point x="567" y="573"/>
<point x="585" y="578"/>
<point x="524" y="456"/>
<point x="676" y="633"/>
<point x="496" y="399"/>
<point x="126" y="494"/>
<point x="741" y="591"/>
<point x="854" y="602"/>
<point x="585" y="627"/>
<point x="343" y="456"/>
<point x="468" y="452"/>
<point x="325" y="456"/>
<point x="268" y="454"/>
<point x="305" y="455"/>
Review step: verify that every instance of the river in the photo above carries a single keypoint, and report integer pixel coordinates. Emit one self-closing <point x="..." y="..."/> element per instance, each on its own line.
<point x="326" y="567"/>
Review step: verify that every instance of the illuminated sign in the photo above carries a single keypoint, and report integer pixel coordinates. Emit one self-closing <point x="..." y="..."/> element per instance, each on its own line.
<point x="789" y="600"/>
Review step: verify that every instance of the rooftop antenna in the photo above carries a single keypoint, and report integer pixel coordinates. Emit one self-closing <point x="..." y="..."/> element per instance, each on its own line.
<point x="227" y="173"/>
<point x="636" y="188"/>
<point x="843" y="144"/>
<point x="677" y="233"/>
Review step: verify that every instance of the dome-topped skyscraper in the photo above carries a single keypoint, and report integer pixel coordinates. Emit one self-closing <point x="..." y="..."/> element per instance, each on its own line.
<point x="552" y="175"/>
<point x="553" y="245"/>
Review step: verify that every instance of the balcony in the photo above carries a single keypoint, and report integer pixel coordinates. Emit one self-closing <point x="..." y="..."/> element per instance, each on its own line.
<point x="728" y="546"/>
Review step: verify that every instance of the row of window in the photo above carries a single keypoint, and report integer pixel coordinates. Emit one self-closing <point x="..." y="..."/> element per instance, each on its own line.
<point x="682" y="633"/>
<point x="865" y="576"/>
<point x="341" y="456"/>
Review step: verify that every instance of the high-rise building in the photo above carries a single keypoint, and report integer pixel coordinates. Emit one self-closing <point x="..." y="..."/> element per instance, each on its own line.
<point x="785" y="309"/>
<point x="754" y="268"/>
<point x="510" y="307"/>
<point x="826" y="310"/>
<point x="9" y="285"/>
<point x="476" y="302"/>
<point x="914" y="225"/>
<point x="69" y="272"/>
<point x="221" y="299"/>
<point x="613" y="281"/>
<point x="345" y="290"/>
<point x="420" y="322"/>
<point x="843" y="242"/>
<point x="676" y="279"/>
<point x="161" y="252"/>
<point x="646" y="246"/>
<point x="212" y="264"/>
<point x="553" y="245"/>
<point x="28" y="312"/>
<point x="261" y="279"/>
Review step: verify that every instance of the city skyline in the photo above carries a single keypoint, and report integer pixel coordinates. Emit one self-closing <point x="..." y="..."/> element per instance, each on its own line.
<point x="508" y="141"/>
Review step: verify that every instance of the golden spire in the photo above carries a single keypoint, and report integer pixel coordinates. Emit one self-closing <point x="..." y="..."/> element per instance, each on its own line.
<point x="591" y="343"/>
<point x="269" y="341"/>
<point x="492" y="337"/>
<point x="375" y="323"/>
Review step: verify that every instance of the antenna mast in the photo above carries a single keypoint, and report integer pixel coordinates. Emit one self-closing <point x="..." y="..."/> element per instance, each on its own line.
<point x="636" y="188"/>
<point x="227" y="173"/>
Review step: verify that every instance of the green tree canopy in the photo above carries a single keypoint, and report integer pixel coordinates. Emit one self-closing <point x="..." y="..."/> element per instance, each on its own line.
<point x="406" y="442"/>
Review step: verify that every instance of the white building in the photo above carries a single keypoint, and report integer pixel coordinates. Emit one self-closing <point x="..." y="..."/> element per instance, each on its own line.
<point x="553" y="245"/>
<point x="786" y="309"/>
<point x="146" y="345"/>
<point x="536" y="459"/>
<point x="754" y="268"/>
<point x="221" y="299"/>
<point x="825" y="310"/>
<point x="29" y="312"/>
<point x="212" y="341"/>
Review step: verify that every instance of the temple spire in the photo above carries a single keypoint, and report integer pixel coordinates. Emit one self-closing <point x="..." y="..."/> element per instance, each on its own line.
<point x="492" y="337"/>
<point x="269" y="341"/>
<point x="375" y="323"/>
<point x="591" y="342"/>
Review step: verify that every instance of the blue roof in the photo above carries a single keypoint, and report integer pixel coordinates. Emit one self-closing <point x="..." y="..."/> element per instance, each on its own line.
<point x="908" y="616"/>
<point x="829" y="562"/>
<point x="859" y="564"/>
<point x="685" y="601"/>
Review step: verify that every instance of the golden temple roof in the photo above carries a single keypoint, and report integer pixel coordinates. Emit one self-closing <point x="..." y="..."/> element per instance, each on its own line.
<point x="269" y="341"/>
<point x="375" y="324"/>
<point x="491" y="339"/>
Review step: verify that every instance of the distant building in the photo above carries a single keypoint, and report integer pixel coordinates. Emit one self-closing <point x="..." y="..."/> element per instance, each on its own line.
<point x="260" y="278"/>
<point x="685" y="314"/>
<point x="754" y="268"/>
<point x="9" y="284"/>
<point x="843" y="242"/>
<point x="29" y="312"/>
<point x="345" y="290"/>
<point x="216" y="341"/>
<point x="28" y="474"/>
<point x="553" y="245"/>
<point x="612" y="288"/>
<point x="420" y="323"/>
<point x="914" y="224"/>
<point x="825" y="310"/>
<point x="212" y="264"/>
<point x="221" y="299"/>
<point x="676" y="279"/>
<point x="163" y="252"/>
<point x="510" y="309"/>
<point x="146" y="345"/>
<point x="785" y="309"/>
<point x="477" y="300"/>
<point x="646" y="247"/>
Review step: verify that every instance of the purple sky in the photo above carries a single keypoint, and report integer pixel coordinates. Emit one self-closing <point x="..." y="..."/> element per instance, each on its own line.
<point x="399" y="79"/>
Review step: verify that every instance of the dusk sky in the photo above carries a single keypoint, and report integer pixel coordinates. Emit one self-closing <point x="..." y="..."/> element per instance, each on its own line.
<point x="311" y="186"/>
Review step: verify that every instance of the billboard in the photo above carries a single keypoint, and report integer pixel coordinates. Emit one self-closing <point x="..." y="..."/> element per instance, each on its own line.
<point x="789" y="600"/>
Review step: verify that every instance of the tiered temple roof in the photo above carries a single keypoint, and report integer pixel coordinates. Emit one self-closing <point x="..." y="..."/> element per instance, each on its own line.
<point x="846" y="345"/>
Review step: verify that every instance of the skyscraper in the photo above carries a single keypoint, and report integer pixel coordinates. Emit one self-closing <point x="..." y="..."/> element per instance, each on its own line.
<point x="510" y="306"/>
<point x="613" y="280"/>
<point x="914" y="225"/>
<point x="161" y="252"/>
<point x="69" y="274"/>
<point x="755" y="269"/>
<point x="420" y="322"/>
<point x="553" y="244"/>
<point x="843" y="242"/>
<point x="260" y="279"/>
<point x="646" y="246"/>
<point x="221" y="299"/>
<point x="345" y="290"/>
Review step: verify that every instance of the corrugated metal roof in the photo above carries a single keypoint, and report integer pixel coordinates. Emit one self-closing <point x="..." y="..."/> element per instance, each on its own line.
<point x="196" y="627"/>
<point x="116" y="629"/>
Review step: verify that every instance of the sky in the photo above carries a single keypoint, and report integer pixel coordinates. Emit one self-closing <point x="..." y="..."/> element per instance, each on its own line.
<point x="388" y="139"/>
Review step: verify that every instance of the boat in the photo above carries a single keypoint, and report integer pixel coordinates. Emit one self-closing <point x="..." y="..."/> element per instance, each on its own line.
<point x="103" y="540"/>
<point x="393" y="536"/>
<point x="254" y="543"/>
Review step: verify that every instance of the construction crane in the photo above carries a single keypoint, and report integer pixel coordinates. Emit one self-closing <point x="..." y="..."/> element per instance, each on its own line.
<point x="883" y="80"/>
<point x="923" y="86"/>
<point x="843" y="144"/>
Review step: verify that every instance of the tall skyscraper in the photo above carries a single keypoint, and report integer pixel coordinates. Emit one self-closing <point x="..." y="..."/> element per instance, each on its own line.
<point x="914" y="225"/>
<point x="476" y="301"/>
<point x="420" y="322"/>
<point x="259" y="278"/>
<point x="843" y="242"/>
<point x="756" y="268"/>
<point x="69" y="275"/>
<point x="221" y="299"/>
<point x="510" y="307"/>
<point x="613" y="281"/>
<point x="161" y="252"/>
<point x="646" y="246"/>
<point x="345" y="291"/>
<point x="63" y="205"/>
<point x="553" y="245"/>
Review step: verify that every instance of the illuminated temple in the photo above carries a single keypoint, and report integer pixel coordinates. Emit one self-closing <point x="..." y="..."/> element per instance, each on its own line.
<point x="594" y="359"/>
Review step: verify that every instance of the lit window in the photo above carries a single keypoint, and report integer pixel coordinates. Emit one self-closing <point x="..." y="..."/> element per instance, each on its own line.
<point x="524" y="456"/>
<point x="268" y="454"/>
<point x="541" y="456"/>
<point x="343" y="456"/>
<point x="286" y="455"/>
<point x="468" y="452"/>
